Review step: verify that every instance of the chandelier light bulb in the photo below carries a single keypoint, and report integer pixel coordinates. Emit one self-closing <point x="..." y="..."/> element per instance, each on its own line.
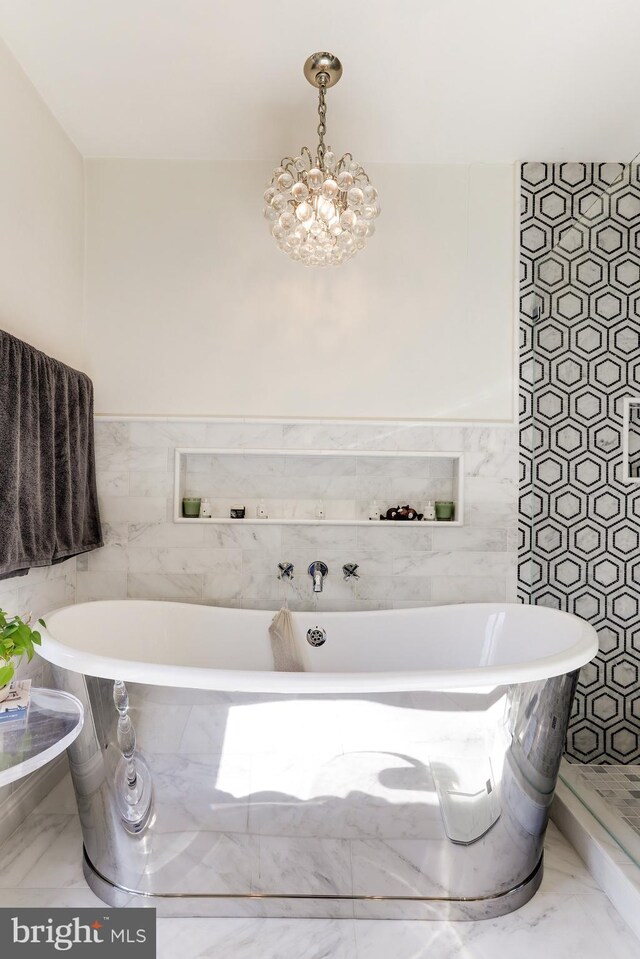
<point x="320" y="209"/>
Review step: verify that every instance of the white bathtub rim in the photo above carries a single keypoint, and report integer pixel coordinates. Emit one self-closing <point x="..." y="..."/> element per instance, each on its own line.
<point x="270" y="681"/>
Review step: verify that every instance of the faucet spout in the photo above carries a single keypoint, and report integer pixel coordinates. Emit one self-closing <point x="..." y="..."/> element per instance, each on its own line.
<point x="317" y="571"/>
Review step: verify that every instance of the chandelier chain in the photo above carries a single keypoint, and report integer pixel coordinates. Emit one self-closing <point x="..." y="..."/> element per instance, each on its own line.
<point x="322" y="125"/>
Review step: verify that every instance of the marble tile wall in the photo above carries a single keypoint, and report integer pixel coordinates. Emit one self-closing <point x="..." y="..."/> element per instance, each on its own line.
<point x="147" y="556"/>
<point x="41" y="589"/>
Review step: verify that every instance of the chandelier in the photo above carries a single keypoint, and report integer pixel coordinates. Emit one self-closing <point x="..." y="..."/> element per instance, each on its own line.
<point x="321" y="209"/>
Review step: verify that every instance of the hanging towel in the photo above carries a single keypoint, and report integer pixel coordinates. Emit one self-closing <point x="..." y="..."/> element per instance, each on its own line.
<point x="48" y="499"/>
<point x="286" y="658"/>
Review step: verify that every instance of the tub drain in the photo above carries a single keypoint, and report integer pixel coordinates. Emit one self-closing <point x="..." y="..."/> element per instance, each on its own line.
<point x="316" y="636"/>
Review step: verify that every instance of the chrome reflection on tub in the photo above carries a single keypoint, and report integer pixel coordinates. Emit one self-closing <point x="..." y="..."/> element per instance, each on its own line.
<point x="429" y="804"/>
<point x="407" y="772"/>
<point x="132" y="781"/>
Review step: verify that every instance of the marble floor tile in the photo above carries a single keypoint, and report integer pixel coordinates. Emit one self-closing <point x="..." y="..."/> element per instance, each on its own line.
<point x="552" y="926"/>
<point x="256" y="938"/>
<point x="71" y="898"/>
<point x="41" y="865"/>
<point x="606" y="922"/>
<point x="61" y="865"/>
<point x="26" y="848"/>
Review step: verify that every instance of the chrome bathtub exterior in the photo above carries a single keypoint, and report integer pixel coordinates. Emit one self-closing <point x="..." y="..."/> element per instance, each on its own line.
<point x="416" y="805"/>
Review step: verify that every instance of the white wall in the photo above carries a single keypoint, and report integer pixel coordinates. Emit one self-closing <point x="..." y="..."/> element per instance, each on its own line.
<point x="41" y="283"/>
<point x="41" y="266"/>
<point x="41" y="221"/>
<point x="191" y="309"/>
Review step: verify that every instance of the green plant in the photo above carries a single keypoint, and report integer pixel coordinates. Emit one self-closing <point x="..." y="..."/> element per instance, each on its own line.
<point x="17" y="639"/>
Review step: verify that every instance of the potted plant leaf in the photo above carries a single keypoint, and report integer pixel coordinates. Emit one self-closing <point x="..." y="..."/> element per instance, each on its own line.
<point x="17" y="640"/>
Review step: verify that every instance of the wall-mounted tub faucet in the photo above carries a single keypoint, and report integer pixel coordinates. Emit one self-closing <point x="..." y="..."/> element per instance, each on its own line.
<point x="317" y="572"/>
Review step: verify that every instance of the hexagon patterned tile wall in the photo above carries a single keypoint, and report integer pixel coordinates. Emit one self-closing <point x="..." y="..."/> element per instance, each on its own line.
<point x="580" y="357"/>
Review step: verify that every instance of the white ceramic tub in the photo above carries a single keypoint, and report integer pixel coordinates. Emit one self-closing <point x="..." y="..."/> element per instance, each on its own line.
<point x="210" y="647"/>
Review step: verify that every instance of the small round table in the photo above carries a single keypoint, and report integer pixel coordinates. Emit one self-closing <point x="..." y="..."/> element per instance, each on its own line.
<point x="52" y="723"/>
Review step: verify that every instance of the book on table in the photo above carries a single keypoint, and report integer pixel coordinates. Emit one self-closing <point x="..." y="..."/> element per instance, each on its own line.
<point x="16" y="704"/>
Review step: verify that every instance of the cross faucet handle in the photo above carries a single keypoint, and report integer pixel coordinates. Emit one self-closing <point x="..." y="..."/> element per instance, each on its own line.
<point x="286" y="570"/>
<point x="350" y="571"/>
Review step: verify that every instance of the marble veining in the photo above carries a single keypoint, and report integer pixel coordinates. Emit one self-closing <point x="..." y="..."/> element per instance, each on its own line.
<point x="149" y="557"/>
<point x="569" y="916"/>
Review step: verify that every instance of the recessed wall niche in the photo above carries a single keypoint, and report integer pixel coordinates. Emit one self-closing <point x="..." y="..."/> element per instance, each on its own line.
<point x="293" y="485"/>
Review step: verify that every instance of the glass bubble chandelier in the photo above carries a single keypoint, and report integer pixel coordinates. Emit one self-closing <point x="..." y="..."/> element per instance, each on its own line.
<point x="321" y="209"/>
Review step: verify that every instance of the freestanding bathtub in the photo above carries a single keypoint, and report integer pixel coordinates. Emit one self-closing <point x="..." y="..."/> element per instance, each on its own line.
<point x="407" y="772"/>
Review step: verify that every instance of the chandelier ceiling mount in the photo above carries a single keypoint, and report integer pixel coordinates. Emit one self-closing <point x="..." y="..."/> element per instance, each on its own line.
<point x="322" y="70"/>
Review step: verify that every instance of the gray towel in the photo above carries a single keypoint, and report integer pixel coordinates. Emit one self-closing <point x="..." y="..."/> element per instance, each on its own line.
<point x="48" y="500"/>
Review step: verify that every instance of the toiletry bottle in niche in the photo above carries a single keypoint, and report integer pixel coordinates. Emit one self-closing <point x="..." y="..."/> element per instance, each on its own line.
<point x="261" y="510"/>
<point x="205" y="509"/>
<point x="429" y="512"/>
<point x="374" y="510"/>
<point x="319" y="510"/>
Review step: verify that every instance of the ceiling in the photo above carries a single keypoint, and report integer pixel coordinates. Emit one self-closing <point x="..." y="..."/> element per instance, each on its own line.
<point x="431" y="81"/>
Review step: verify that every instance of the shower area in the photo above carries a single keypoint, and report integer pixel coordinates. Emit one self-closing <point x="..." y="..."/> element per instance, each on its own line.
<point x="580" y="456"/>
